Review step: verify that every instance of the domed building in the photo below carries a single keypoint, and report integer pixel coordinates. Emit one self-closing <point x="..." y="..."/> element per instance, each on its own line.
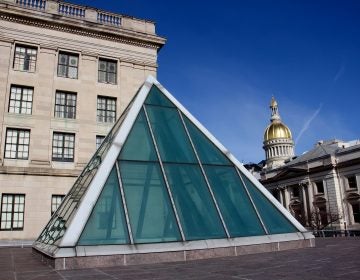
<point x="278" y="142"/>
<point x="321" y="187"/>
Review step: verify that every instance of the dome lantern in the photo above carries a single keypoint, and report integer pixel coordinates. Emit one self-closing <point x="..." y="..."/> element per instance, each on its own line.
<point x="278" y="143"/>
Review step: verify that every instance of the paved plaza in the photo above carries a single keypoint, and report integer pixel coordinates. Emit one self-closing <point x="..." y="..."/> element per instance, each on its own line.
<point x="332" y="258"/>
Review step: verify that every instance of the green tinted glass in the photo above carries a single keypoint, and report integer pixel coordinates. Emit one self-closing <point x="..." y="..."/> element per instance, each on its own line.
<point x="208" y="153"/>
<point x="151" y="216"/>
<point x="107" y="224"/>
<point x="139" y="145"/>
<point x="170" y="135"/>
<point x="196" y="209"/>
<point x="274" y="221"/>
<point x="156" y="97"/>
<point x="237" y="210"/>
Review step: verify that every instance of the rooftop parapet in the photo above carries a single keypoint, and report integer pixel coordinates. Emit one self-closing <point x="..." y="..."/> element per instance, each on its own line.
<point x="90" y="17"/>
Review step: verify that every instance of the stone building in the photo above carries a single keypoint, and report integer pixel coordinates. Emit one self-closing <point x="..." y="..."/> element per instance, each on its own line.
<point x="320" y="187"/>
<point x="66" y="74"/>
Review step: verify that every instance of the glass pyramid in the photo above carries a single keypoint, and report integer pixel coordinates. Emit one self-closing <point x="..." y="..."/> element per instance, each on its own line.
<point x="160" y="177"/>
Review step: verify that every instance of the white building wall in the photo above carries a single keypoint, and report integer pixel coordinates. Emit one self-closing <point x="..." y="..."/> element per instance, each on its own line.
<point x="134" y="46"/>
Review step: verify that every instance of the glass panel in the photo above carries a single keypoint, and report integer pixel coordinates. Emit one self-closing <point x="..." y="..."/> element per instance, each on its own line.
<point x="73" y="60"/>
<point x="139" y="145"/>
<point x="170" y="135"/>
<point x="156" y="97"/>
<point x="237" y="210"/>
<point x="107" y="224"/>
<point x="62" y="70"/>
<point x="102" y="77"/>
<point x="150" y="211"/>
<point x="102" y="65"/>
<point x="208" y="153"/>
<point x="72" y="72"/>
<point x="194" y="204"/>
<point x="274" y="221"/>
<point x="112" y="78"/>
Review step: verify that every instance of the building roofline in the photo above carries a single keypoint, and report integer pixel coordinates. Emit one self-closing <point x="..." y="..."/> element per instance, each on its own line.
<point x="108" y="11"/>
<point x="80" y="25"/>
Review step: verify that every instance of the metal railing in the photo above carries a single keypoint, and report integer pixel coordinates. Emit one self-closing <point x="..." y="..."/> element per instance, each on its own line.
<point x="34" y="4"/>
<point x="336" y="233"/>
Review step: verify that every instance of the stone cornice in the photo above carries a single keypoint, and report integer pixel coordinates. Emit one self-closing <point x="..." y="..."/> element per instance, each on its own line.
<point x="80" y="27"/>
<point x="39" y="171"/>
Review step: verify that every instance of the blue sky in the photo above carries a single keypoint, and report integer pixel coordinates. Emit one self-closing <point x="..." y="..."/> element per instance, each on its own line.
<point x="224" y="60"/>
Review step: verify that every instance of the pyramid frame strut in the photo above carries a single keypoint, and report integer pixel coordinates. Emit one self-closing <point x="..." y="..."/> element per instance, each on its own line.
<point x="67" y="248"/>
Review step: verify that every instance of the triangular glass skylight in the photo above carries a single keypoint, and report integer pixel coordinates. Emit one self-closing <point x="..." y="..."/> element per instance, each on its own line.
<point x="159" y="178"/>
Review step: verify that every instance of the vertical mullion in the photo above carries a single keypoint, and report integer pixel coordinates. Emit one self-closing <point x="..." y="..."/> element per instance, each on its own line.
<point x="1" y="211"/>
<point x="63" y="147"/>
<point x="106" y="109"/>
<point x="124" y="203"/>
<point x="206" y="179"/>
<point x="12" y="212"/>
<point x="65" y="106"/>
<point x="17" y="143"/>
<point x="252" y="202"/>
<point x="164" y="176"/>
<point x="21" y="99"/>
<point x="106" y="72"/>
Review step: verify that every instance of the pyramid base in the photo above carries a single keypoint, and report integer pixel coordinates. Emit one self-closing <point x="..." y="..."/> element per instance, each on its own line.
<point x="63" y="263"/>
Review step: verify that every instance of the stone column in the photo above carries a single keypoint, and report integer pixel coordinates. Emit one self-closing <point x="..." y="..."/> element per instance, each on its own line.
<point x="287" y="198"/>
<point x="335" y="199"/>
<point x="304" y="202"/>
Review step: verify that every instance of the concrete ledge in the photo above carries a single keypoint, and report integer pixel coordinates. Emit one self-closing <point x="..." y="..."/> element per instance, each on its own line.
<point x="162" y="257"/>
<point x="16" y="243"/>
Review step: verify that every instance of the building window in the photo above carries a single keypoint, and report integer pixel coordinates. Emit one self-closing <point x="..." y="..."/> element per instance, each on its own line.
<point x="356" y="212"/>
<point x="106" y="109"/>
<point x="17" y="143"/>
<point x="68" y="65"/>
<point x="323" y="215"/>
<point x="99" y="140"/>
<point x="319" y="187"/>
<point x="295" y="192"/>
<point x="21" y="100"/>
<point x="55" y="202"/>
<point x="12" y="212"/>
<point x="276" y="193"/>
<point x="65" y="105"/>
<point x="63" y="146"/>
<point x="25" y="58"/>
<point x="352" y="182"/>
<point x="107" y="71"/>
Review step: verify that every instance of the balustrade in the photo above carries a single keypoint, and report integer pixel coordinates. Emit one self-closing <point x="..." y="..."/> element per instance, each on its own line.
<point x="35" y="4"/>
<point x="67" y="9"/>
<point x="70" y="10"/>
<point x="110" y="19"/>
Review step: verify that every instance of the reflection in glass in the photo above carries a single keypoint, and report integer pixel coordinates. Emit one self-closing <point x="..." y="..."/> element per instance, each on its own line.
<point x="151" y="216"/>
<point x="107" y="223"/>
<point x="194" y="204"/>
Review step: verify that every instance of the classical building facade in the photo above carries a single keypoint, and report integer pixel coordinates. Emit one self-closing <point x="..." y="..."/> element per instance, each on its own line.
<point x="66" y="74"/>
<point x="321" y="187"/>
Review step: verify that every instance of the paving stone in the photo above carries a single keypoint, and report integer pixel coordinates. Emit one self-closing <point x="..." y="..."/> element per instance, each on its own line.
<point x="332" y="258"/>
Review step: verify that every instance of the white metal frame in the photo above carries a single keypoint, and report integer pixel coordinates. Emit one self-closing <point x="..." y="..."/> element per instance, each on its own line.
<point x="80" y="218"/>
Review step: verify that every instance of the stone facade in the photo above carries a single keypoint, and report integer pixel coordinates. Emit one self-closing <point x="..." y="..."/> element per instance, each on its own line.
<point x="321" y="188"/>
<point x="36" y="161"/>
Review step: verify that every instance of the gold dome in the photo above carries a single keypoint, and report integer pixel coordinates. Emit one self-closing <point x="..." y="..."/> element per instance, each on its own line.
<point x="277" y="130"/>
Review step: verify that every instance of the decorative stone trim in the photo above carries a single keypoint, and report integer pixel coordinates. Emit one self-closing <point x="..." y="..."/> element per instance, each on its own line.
<point x="73" y="30"/>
